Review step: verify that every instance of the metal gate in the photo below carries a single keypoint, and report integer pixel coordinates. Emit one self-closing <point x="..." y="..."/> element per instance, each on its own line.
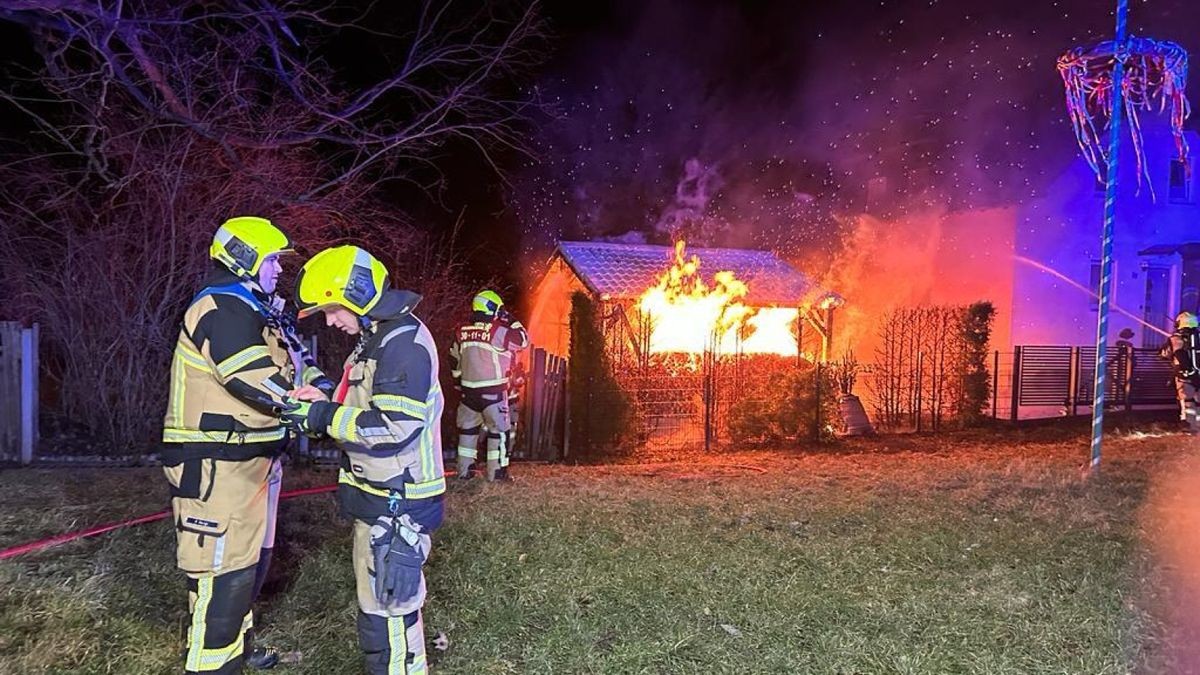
<point x="1063" y="376"/>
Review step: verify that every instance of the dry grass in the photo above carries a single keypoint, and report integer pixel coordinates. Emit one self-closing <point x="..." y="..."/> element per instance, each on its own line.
<point x="979" y="553"/>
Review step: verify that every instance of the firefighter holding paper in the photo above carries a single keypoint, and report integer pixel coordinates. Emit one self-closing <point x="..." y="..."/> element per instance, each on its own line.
<point x="386" y="418"/>
<point x="222" y="441"/>
<point x="1183" y="350"/>
<point x="482" y="359"/>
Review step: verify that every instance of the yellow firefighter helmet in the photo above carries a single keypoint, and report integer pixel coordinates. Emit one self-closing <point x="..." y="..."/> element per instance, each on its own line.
<point x="1186" y="320"/>
<point x="242" y="243"/>
<point x="488" y="302"/>
<point x="344" y="275"/>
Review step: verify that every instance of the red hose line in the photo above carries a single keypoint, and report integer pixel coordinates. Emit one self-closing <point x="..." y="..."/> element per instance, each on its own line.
<point x="41" y="544"/>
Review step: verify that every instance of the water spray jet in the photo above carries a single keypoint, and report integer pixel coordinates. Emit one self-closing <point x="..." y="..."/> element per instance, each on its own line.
<point x="1075" y="284"/>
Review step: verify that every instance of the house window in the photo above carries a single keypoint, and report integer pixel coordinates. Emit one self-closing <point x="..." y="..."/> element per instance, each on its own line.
<point x="1181" y="181"/>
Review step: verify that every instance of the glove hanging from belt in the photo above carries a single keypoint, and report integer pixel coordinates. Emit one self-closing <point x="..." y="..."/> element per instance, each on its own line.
<point x="398" y="561"/>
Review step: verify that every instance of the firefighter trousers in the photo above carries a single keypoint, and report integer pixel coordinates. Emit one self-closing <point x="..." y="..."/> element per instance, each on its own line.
<point x="224" y="520"/>
<point x="392" y="637"/>
<point x="483" y="413"/>
<point x="1189" y="402"/>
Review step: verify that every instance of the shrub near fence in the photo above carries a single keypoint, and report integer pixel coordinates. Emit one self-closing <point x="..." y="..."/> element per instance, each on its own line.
<point x="932" y="365"/>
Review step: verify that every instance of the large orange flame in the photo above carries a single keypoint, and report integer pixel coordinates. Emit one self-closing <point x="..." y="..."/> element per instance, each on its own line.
<point x="686" y="315"/>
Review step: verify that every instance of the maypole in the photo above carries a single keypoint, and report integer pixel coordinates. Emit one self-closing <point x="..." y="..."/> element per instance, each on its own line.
<point x="1105" y="84"/>
<point x="1106" y="242"/>
<point x="1108" y="86"/>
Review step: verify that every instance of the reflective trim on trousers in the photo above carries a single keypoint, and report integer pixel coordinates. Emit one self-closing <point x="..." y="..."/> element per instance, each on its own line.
<point x="397" y="646"/>
<point x="199" y="658"/>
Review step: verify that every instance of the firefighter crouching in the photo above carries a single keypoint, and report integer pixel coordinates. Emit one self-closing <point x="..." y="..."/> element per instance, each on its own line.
<point x="385" y="417"/>
<point x="222" y="441"/>
<point x="482" y="357"/>
<point x="1183" y="349"/>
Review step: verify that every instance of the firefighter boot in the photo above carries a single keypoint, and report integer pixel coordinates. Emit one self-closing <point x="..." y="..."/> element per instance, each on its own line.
<point x="262" y="659"/>
<point x="495" y="450"/>
<point x="465" y="464"/>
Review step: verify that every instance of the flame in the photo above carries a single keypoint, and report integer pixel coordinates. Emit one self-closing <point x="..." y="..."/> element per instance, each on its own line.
<point x="686" y="315"/>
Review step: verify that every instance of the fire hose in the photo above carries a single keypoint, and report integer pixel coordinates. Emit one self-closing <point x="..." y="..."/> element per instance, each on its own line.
<point x="67" y="537"/>
<point x="56" y="540"/>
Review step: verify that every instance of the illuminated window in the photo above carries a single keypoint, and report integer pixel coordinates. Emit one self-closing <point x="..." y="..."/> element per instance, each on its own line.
<point x="1181" y="181"/>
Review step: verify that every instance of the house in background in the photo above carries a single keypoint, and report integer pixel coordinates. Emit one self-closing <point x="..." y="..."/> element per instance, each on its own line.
<point x="1038" y="260"/>
<point x="1156" y="249"/>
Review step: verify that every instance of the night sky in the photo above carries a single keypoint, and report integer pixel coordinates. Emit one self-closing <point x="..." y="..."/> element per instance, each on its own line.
<point x="774" y="115"/>
<point x="758" y="123"/>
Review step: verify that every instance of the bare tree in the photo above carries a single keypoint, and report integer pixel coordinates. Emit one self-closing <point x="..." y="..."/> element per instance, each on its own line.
<point x="152" y="122"/>
<point x="213" y="67"/>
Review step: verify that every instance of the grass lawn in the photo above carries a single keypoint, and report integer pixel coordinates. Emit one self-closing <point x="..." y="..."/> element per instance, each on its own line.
<point x="969" y="553"/>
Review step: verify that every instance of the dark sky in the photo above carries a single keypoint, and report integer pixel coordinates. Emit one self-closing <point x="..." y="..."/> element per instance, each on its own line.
<point x="786" y="109"/>
<point x="756" y="123"/>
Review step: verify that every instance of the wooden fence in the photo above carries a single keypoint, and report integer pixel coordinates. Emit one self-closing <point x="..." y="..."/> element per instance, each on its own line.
<point x="18" y="392"/>
<point x="545" y="420"/>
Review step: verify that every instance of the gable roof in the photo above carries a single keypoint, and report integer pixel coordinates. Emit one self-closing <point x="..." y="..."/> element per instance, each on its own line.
<point x="625" y="271"/>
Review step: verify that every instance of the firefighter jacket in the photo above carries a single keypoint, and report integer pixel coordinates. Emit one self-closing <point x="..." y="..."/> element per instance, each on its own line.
<point x="482" y="353"/>
<point x="388" y="425"/>
<point x="1183" y="350"/>
<point x="229" y="367"/>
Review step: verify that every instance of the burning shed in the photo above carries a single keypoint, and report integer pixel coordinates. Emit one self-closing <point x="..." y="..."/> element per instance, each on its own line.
<point x="660" y="299"/>
<point x="688" y="334"/>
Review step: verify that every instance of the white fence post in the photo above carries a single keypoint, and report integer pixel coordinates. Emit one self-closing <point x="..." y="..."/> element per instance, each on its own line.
<point x="29" y="393"/>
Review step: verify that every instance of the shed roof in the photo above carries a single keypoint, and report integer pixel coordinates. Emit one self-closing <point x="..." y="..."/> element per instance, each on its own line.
<point x="625" y="271"/>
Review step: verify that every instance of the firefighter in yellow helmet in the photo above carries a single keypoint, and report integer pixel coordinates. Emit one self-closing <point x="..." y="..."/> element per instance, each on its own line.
<point x="222" y="440"/>
<point x="482" y="357"/>
<point x="1183" y="350"/>
<point x="386" y="418"/>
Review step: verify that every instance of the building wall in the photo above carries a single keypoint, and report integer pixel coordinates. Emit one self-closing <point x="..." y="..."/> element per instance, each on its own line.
<point x="550" y="314"/>
<point x="1062" y="230"/>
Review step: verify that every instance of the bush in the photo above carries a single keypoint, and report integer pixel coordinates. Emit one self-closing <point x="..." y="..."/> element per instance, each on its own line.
<point x="976" y="333"/>
<point x="786" y="409"/>
<point x="600" y="410"/>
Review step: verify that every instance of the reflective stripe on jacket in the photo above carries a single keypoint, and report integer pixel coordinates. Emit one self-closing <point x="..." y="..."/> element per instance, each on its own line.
<point x="389" y="424"/>
<point x="227" y="368"/>
<point x="482" y="353"/>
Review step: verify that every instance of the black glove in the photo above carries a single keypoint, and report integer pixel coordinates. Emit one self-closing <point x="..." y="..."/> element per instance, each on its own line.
<point x="397" y="561"/>
<point x="505" y="317"/>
